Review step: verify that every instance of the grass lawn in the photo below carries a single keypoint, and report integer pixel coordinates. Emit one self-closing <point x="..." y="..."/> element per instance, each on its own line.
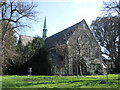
<point x="94" y="81"/>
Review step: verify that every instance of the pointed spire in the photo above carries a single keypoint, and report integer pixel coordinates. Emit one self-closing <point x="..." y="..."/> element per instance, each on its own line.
<point x="44" y="29"/>
<point x="45" y="26"/>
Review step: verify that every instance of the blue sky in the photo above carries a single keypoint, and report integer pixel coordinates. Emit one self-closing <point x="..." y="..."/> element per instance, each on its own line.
<point x="61" y="15"/>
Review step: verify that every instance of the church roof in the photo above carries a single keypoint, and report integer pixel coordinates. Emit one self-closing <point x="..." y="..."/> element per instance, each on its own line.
<point x="62" y="37"/>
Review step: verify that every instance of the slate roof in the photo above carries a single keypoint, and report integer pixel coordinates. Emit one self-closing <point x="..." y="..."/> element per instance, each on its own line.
<point x="62" y="37"/>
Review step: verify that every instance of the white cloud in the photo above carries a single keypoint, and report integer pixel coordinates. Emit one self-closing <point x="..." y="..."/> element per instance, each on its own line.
<point x="88" y="14"/>
<point x="81" y="1"/>
<point x="44" y="0"/>
<point x="77" y="1"/>
<point x="87" y="11"/>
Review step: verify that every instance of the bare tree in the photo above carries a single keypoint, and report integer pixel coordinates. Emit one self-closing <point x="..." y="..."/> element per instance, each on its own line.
<point x="1" y="58"/>
<point x="15" y="14"/>
<point x="106" y="31"/>
<point x="79" y="50"/>
<point x="111" y="7"/>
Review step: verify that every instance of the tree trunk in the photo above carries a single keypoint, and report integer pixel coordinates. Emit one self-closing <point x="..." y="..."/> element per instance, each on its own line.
<point x="80" y="70"/>
<point x="77" y="67"/>
<point x="1" y="50"/>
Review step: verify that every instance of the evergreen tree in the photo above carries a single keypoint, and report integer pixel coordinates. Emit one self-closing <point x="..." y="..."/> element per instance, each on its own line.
<point x="31" y="48"/>
<point x="32" y="55"/>
<point x="9" y="49"/>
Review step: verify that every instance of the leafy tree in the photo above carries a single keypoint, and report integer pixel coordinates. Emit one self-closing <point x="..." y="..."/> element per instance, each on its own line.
<point x="106" y="31"/>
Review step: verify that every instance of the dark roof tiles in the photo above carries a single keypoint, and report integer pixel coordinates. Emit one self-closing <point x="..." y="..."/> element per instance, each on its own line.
<point x="62" y="37"/>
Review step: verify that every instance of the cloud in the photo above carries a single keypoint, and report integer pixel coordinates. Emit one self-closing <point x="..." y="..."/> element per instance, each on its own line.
<point x="44" y="0"/>
<point x="87" y="11"/>
<point x="88" y="14"/>
<point x="77" y="1"/>
<point x="87" y="1"/>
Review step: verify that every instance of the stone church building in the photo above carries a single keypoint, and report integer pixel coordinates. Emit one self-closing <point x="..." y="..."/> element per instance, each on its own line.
<point x="73" y="51"/>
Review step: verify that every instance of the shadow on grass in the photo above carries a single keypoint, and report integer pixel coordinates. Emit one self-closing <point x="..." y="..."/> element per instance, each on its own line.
<point x="60" y="89"/>
<point x="83" y="82"/>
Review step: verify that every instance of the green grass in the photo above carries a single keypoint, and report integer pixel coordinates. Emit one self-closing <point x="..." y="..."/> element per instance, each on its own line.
<point x="94" y="81"/>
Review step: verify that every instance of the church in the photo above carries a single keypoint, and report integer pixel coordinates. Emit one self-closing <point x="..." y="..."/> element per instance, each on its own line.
<point x="73" y="51"/>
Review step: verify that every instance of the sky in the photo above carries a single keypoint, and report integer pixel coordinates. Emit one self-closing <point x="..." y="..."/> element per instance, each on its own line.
<point x="61" y="14"/>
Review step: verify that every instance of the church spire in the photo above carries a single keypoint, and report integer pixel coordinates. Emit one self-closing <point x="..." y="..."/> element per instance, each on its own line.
<point x="44" y="29"/>
<point x="45" y="26"/>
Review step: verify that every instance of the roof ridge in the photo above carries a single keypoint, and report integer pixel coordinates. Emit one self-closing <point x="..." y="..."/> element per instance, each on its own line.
<point x="66" y="28"/>
<point x="62" y="36"/>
